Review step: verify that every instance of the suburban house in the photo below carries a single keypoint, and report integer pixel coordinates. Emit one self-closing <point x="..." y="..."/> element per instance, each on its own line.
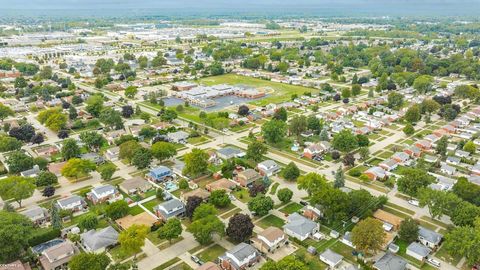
<point x="159" y="174"/>
<point x="390" y="262"/>
<point x="268" y="167"/>
<point x="98" y="240"/>
<point x="312" y="212"/>
<point x="270" y="239"/>
<point x="300" y="227"/>
<point x="135" y="185"/>
<point x="390" y="221"/>
<point x="429" y="238"/>
<point x="47" y="150"/>
<point x="93" y="157"/>
<point x="413" y="151"/>
<point x="169" y="209"/>
<point x="240" y="257"/>
<point x="347" y="239"/>
<point x="447" y="169"/>
<point x="401" y="157"/>
<point x="112" y="153"/>
<point x="103" y="194"/>
<point x="222" y="184"/>
<point x="199" y="192"/>
<point x="331" y="258"/>
<point x="178" y="137"/>
<point x="247" y="177"/>
<point x="33" y="172"/>
<point x="375" y="173"/>
<point x="58" y="256"/>
<point x="73" y="203"/>
<point x="418" y="251"/>
<point x="230" y="152"/>
<point x="316" y="149"/>
<point x="38" y="215"/>
<point x="16" y="265"/>
<point x="389" y="164"/>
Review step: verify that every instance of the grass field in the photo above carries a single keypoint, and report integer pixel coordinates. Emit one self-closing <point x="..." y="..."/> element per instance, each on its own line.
<point x="271" y="220"/>
<point x="291" y="208"/>
<point x="211" y="253"/>
<point x="281" y="92"/>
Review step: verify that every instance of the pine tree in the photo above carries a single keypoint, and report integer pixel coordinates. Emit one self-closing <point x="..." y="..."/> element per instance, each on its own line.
<point x="339" y="178"/>
<point x="370" y="93"/>
<point x="355" y="79"/>
<point x="324" y="135"/>
<point x="55" y="217"/>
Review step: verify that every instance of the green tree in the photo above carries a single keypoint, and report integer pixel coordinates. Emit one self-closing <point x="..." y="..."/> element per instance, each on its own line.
<point x="70" y="149"/>
<point x="94" y="105"/>
<point x="8" y="143"/>
<point x="346" y="93"/>
<point x="467" y="190"/>
<point x="131" y="91"/>
<point x="368" y="235"/>
<point x="55" y="216"/>
<point x="18" y="161"/>
<point x="261" y="205"/>
<point x="463" y="242"/>
<point x="219" y="198"/>
<point x="5" y="111"/>
<point x="170" y="230"/>
<point x="291" y="172"/>
<point x="314" y="124"/>
<point x="127" y="149"/>
<point x="256" y="150"/>
<point x="413" y="114"/>
<point x="88" y="221"/>
<point x="111" y="118"/>
<point x="345" y="141"/>
<point x="423" y="83"/>
<point x="280" y="114"/>
<point x="408" y="230"/>
<point x="284" y="195"/>
<point x="274" y="131"/>
<point x="297" y="125"/>
<point x="163" y="150"/>
<point x="89" y="261"/>
<point x="339" y="178"/>
<point x="15" y="231"/>
<point x="364" y="153"/>
<point x="356" y="89"/>
<point x="133" y="239"/>
<point x="45" y="178"/>
<point x="395" y="100"/>
<point x="196" y="162"/>
<point x="76" y="168"/>
<point x="17" y="188"/>
<point x="92" y="140"/>
<point x="470" y="147"/>
<point x="412" y="180"/>
<point x="438" y="202"/>
<point x="442" y="145"/>
<point x="142" y="158"/>
<point x="408" y="129"/>
<point x="106" y="171"/>
<point x="205" y="224"/>
<point x="117" y="209"/>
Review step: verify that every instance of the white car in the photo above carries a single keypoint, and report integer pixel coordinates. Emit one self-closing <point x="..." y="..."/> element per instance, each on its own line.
<point x="433" y="262"/>
<point x="414" y="202"/>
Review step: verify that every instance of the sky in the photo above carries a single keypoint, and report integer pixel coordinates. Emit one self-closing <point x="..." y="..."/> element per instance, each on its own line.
<point x="241" y="7"/>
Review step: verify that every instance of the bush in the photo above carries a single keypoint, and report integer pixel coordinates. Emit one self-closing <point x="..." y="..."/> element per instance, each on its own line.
<point x="43" y="235"/>
<point x="355" y="172"/>
<point x="364" y="178"/>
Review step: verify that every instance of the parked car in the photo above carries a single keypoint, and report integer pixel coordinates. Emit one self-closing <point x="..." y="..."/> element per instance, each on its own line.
<point x="414" y="202"/>
<point x="433" y="262"/>
<point x="304" y="203"/>
<point x="196" y="260"/>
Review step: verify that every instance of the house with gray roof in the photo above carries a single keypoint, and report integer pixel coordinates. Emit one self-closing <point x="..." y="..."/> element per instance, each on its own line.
<point x="98" y="240"/>
<point x="300" y="227"/>
<point x="390" y="262"/>
<point x="73" y="203"/>
<point x="33" y="172"/>
<point x="37" y="215"/>
<point x="93" y="157"/>
<point x="268" y="167"/>
<point x="429" y="238"/>
<point x="418" y="251"/>
<point x="169" y="209"/>
<point x="331" y="258"/>
<point x="230" y="152"/>
<point x="178" y="137"/>
<point x="347" y="239"/>
<point x="239" y="257"/>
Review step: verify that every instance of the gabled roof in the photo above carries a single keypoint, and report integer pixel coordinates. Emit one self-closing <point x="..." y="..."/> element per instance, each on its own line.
<point x="103" y="238"/>
<point x="69" y="200"/>
<point x="418" y="249"/>
<point x="390" y="262"/>
<point x="429" y="235"/>
<point x="332" y="257"/>
<point x="300" y="224"/>
<point x="242" y="251"/>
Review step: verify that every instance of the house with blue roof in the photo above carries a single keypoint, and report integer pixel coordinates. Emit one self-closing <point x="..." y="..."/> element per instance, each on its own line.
<point x="159" y="174"/>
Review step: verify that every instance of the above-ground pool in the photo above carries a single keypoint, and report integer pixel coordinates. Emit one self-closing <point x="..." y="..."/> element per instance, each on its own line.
<point x="170" y="186"/>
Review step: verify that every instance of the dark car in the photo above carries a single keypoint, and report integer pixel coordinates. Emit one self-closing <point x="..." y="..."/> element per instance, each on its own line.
<point x="304" y="203"/>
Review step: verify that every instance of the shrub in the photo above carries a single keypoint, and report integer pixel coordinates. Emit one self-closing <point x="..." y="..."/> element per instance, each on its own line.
<point x="42" y="236"/>
<point x="355" y="172"/>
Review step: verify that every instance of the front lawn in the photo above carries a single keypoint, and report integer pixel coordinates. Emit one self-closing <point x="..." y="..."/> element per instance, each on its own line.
<point x="271" y="220"/>
<point x="291" y="208"/>
<point x="212" y="253"/>
<point x="152" y="203"/>
<point x="242" y="195"/>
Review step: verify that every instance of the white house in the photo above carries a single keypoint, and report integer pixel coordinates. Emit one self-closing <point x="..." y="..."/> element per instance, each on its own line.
<point x="268" y="167"/>
<point x="300" y="227"/>
<point x="331" y="258"/>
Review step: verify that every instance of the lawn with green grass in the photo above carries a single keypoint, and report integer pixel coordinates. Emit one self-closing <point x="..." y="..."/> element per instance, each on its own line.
<point x="152" y="203"/>
<point x="273" y="190"/>
<point x="211" y="253"/>
<point x="271" y="220"/>
<point x="291" y="208"/>
<point x="242" y="195"/>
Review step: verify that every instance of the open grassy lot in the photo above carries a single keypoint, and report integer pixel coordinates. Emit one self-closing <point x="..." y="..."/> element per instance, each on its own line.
<point x="271" y="220"/>
<point x="281" y="92"/>
<point x="211" y="253"/>
<point x="291" y="208"/>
